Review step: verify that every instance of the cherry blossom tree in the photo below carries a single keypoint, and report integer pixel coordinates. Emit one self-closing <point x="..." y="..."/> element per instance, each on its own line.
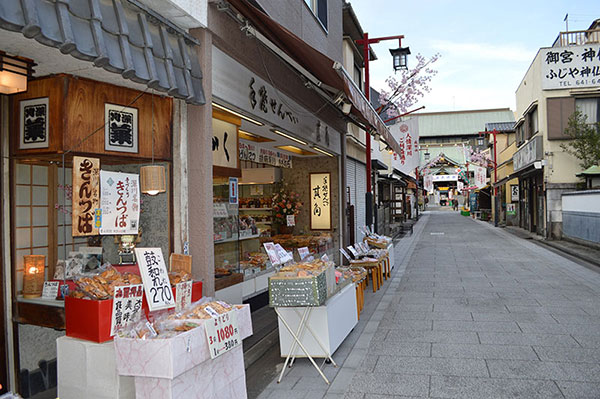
<point x="406" y="90"/>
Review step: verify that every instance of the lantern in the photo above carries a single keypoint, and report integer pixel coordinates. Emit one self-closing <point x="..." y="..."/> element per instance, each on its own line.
<point x="400" y="56"/>
<point x="152" y="179"/>
<point x="14" y="73"/>
<point x="480" y="141"/>
<point x="33" y="278"/>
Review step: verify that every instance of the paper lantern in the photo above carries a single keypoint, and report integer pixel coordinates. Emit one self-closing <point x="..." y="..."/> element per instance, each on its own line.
<point x="33" y="279"/>
<point x="13" y="74"/>
<point x="152" y="179"/>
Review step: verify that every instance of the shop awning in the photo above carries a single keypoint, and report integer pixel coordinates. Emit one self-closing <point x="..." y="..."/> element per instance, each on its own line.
<point x="376" y="164"/>
<point x="115" y="36"/>
<point x="330" y="74"/>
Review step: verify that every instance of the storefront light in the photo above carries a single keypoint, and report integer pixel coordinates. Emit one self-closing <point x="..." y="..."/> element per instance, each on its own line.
<point x="323" y="151"/>
<point x="279" y="132"/>
<point x="222" y="108"/>
<point x="153" y="179"/>
<point x="13" y="74"/>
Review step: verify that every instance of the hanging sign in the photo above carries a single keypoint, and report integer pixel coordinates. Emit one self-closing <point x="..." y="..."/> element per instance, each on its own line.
<point x="428" y="183"/>
<point x="291" y="220"/>
<point x="120" y="203"/>
<point x="480" y="176"/>
<point x="320" y="201"/>
<point x="303" y="252"/>
<point x="233" y="190"/>
<point x="255" y="153"/>
<point x="514" y="192"/>
<point x="222" y="333"/>
<point x="272" y="253"/>
<point x="183" y="295"/>
<point x="127" y="303"/>
<point x="85" y="196"/>
<point x="50" y="290"/>
<point x="155" y="278"/>
<point x="224" y="142"/>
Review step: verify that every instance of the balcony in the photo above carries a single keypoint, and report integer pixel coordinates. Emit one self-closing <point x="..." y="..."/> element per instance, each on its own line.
<point x="577" y="38"/>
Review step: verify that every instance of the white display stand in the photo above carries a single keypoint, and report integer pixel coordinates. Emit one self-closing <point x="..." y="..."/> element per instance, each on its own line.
<point x="390" y="249"/>
<point x="331" y="323"/>
<point x="88" y="370"/>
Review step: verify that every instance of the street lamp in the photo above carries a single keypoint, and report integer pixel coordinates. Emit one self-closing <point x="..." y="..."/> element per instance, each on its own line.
<point x="480" y="141"/>
<point x="400" y="56"/>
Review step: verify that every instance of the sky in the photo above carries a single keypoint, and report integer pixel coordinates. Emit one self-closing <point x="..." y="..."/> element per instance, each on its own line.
<point x="486" y="46"/>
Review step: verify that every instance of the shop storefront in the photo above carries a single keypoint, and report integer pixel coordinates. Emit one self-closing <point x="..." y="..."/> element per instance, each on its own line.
<point x="529" y="169"/>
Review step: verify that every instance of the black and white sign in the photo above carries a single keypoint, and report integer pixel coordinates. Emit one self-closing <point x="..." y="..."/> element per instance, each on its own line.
<point x="34" y="123"/>
<point x="291" y="220"/>
<point x="272" y="253"/>
<point x="121" y="128"/>
<point x="50" y="290"/>
<point x="155" y="277"/>
<point x="570" y="67"/>
<point x="183" y="295"/>
<point x="222" y="333"/>
<point x="514" y="192"/>
<point x="343" y="251"/>
<point x="127" y="306"/>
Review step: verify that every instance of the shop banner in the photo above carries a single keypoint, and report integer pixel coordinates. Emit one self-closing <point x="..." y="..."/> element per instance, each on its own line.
<point x="444" y="177"/>
<point x="406" y="133"/>
<point x="428" y="183"/>
<point x="222" y="333"/>
<point x="183" y="295"/>
<point x="120" y="203"/>
<point x="480" y="176"/>
<point x="460" y="186"/>
<point x="320" y="201"/>
<point x="85" y="196"/>
<point x="127" y="305"/>
<point x="155" y="278"/>
<point x="570" y="67"/>
<point x="255" y="153"/>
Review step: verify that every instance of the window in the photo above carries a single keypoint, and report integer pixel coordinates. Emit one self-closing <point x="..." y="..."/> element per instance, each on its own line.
<point x="358" y="77"/>
<point x="532" y="121"/>
<point x="590" y="107"/>
<point x="319" y="8"/>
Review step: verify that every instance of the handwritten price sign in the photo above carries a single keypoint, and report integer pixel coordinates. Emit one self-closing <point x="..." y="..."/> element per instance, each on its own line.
<point x="155" y="278"/>
<point x="222" y="333"/>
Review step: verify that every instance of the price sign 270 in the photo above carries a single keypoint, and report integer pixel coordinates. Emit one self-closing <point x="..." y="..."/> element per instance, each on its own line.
<point x="222" y="333"/>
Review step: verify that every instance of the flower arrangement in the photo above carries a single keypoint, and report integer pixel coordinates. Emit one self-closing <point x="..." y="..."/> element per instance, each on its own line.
<point x="285" y="203"/>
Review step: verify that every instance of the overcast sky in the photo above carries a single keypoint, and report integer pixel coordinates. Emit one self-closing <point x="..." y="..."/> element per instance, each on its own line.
<point x="486" y="46"/>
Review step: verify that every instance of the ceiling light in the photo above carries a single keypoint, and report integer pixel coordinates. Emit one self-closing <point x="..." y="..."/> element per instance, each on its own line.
<point x="322" y="151"/>
<point x="237" y="114"/>
<point x="289" y="137"/>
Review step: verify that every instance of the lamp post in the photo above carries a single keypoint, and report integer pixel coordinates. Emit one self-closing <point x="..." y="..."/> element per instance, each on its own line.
<point x="399" y="55"/>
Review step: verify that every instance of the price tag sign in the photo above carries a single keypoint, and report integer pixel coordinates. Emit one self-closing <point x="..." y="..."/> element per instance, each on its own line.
<point x="183" y="295"/>
<point x="155" y="278"/>
<point x="127" y="306"/>
<point x="325" y="258"/>
<point x="303" y="252"/>
<point x="351" y="249"/>
<point x="291" y="220"/>
<point x="272" y="253"/>
<point x="50" y="289"/>
<point x="343" y="251"/>
<point x="222" y="333"/>
<point x="283" y="255"/>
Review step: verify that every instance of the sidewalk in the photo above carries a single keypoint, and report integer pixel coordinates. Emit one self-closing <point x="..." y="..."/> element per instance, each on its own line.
<point x="471" y="312"/>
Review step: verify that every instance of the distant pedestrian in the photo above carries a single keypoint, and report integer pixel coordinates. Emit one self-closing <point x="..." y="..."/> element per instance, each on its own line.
<point x="455" y="204"/>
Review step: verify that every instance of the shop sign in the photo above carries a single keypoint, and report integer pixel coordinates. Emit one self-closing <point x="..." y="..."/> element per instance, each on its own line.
<point x="528" y="154"/>
<point x="224" y="143"/>
<point x="127" y="305"/>
<point x="570" y="67"/>
<point x="155" y="278"/>
<point x="272" y="253"/>
<point x="303" y="252"/>
<point x="50" y="290"/>
<point x="428" y="183"/>
<point x="320" y="201"/>
<point x="222" y="333"/>
<point x="120" y="203"/>
<point x="121" y="128"/>
<point x="33" y="118"/>
<point x="407" y="135"/>
<point x="291" y="220"/>
<point x="85" y="196"/>
<point x="510" y="209"/>
<point x="256" y="153"/>
<point x="460" y="186"/>
<point x="261" y="99"/>
<point x="445" y="178"/>
<point x="183" y="295"/>
<point x="480" y="176"/>
<point x="233" y="190"/>
<point x="514" y="192"/>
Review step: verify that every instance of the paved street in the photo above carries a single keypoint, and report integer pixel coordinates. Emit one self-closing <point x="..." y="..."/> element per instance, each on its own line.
<point x="471" y="312"/>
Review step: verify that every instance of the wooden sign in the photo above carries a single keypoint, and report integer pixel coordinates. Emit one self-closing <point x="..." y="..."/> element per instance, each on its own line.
<point x="320" y="201"/>
<point x="86" y="195"/>
<point x="181" y="263"/>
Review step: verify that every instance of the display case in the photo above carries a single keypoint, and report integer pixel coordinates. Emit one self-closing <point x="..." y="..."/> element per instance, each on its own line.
<point x="226" y="235"/>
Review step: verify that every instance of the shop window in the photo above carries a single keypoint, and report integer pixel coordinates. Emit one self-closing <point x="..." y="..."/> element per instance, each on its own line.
<point x="319" y="9"/>
<point x="64" y="218"/>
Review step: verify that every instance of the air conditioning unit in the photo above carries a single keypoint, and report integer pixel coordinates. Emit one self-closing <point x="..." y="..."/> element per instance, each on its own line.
<point x="261" y="176"/>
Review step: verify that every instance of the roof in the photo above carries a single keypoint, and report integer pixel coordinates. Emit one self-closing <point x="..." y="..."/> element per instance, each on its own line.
<point x="460" y="123"/>
<point x="453" y="154"/>
<point x="503" y="127"/>
<point x="354" y="31"/>
<point x="113" y="35"/>
<point x="592" y="170"/>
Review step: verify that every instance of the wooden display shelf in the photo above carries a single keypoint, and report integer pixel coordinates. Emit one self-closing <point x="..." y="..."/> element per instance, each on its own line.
<point x="223" y="282"/>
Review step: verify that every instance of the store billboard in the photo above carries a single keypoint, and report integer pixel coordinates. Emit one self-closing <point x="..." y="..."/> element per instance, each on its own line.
<point x="570" y="67"/>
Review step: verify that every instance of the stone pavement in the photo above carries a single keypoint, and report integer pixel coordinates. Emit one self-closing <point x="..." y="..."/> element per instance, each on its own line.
<point x="471" y="312"/>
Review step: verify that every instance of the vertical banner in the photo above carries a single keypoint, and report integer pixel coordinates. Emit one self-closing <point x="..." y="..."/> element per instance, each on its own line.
<point x="460" y="186"/>
<point x="155" y="277"/>
<point x="86" y="196"/>
<point x="320" y="201"/>
<point x="233" y="190"/>
<point x="428" y="183"/>
<point x="480" y="176"/>
<point x="127" y="306"/>
<point x="120" y="203"/>
<point x="406" y="133"/>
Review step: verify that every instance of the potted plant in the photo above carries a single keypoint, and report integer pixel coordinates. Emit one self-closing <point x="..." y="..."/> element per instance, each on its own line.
<point x="285" y="203"/>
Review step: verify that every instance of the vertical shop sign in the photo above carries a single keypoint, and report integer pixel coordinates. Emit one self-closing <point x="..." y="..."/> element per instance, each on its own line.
<point x="514" y="192"/>
<point x="428" y="183"/>
<point x="127" y="305"/>
<point x="120" y="203"/>
<point x="33" y="122"/>
<point x="183" y="295"/>
<point x="320" y="201"/>
<point x="480" y="176"/>
<point x="86" y="196"/>
<point x="233" y="190"/>
<point x="156" y="280"/>
<point x="224" y="144"/>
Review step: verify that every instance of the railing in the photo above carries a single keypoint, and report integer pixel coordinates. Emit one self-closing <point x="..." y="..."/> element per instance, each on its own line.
<point x="577" y="38"/>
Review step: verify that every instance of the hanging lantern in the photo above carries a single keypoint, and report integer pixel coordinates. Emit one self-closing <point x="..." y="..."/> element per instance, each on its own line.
<point x="14" y="73"/>
<point x="33" y="277"/>
<point x="400" y="56"/>
<point x="152" y="179"/>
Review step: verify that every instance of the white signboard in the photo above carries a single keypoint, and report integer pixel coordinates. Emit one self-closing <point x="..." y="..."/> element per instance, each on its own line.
<point x="127" y="306"/>
<point x="183" y="295"/>
<point x="528" y="154"/>
<point x="570" y="67"/>
<point x="222" y="333"/>
<point x="224" y="144"/>
<point x="460" y="186"/>
<point x="303" y="252"/>
<point x="50" y="290"/>
<point x="407" y="134"/>
<point x="272" y="253"/>
<point x="291" y="220"/>
<point x="320" y="201"/>
<point x="155" y="278"/>
<point x="514" y="192"/>
<point x="255" y="153"/>
<point x="480" y="176"/>
<point x="445" y="178"/>
<point x="284" y="256"/>
<point x="120" y="203"/>
<point x="428" y="183"/>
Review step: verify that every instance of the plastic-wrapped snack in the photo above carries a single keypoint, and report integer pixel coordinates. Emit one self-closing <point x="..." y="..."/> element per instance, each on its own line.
<point x="179" y="277"/>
